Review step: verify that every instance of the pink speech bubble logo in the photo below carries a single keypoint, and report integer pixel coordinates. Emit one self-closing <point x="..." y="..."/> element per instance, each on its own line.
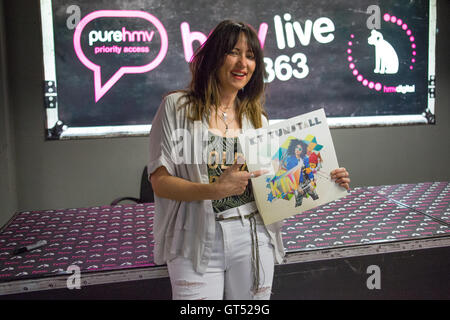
<point x="98" y="88"/>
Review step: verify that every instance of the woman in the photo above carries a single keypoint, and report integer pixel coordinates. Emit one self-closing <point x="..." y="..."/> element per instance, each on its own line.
<point x="206" y="226"/>
<point x="297" y="154"/>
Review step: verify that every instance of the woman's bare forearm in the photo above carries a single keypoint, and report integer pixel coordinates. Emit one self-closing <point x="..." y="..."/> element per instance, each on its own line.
<point x="175" y="188"/>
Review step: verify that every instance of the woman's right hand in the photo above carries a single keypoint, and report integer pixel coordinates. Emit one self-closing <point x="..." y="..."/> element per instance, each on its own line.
<point x="233" y="182"/>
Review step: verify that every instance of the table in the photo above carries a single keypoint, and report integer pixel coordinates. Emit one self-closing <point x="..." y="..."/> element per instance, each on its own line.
<point x="114" y="244"/>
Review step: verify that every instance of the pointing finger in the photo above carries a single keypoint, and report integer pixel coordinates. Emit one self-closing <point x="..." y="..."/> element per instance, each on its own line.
<point x="257" y="173"/>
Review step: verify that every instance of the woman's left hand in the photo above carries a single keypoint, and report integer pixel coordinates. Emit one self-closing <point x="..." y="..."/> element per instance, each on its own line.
<point x="341" y="177"/>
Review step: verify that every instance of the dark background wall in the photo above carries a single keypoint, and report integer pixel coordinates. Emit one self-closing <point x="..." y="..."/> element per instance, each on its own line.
<point x="39" y="174"/>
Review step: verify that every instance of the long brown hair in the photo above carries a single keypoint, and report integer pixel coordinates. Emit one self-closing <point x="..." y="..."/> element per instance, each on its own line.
<point x="203" y="92"/>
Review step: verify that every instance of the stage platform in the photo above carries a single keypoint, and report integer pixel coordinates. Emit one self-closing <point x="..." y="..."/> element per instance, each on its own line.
<point x="403" y="231"/>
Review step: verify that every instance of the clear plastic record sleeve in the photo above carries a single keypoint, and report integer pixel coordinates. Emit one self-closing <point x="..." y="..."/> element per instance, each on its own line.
<point x="298" y="155"/>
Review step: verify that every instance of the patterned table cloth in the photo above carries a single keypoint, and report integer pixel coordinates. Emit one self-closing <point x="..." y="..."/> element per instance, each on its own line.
<point x="117" y="237"/>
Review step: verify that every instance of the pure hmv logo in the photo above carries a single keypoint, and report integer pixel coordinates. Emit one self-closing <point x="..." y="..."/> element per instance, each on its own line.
<point x="120" y="36"/>
<point x="116" y="38"/>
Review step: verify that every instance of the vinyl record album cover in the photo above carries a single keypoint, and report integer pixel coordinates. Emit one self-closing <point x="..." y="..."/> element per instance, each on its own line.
<point x="298" y="156"/>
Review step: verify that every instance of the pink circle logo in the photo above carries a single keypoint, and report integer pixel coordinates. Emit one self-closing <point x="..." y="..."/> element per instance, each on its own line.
<point x="366" y="81"/>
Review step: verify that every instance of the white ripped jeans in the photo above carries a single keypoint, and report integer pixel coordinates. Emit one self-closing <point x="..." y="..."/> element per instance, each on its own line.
<point x="230" y="272"/>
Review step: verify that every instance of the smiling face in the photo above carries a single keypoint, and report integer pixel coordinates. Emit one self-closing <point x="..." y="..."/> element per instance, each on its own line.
<point x="237" y="68"/>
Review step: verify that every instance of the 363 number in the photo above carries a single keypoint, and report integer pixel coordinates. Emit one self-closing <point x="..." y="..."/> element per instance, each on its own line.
<point x="285" y="67"/>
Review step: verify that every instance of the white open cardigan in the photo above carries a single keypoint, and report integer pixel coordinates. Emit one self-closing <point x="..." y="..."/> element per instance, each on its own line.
<point x="187" y="228"/>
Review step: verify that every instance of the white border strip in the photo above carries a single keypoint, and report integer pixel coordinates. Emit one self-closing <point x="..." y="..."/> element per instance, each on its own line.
<point x="333" y="123"/>
<point x="376" y="121"/>
<point x="379" y="121"/>
<point x="47" y="40"/>
<point x="432" y="48"/>
<point x="49" y="55"/>
<point x="103" y="132"/>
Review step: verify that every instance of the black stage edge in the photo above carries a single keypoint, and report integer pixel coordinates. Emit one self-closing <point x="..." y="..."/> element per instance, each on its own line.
<point x="417" y="274"/>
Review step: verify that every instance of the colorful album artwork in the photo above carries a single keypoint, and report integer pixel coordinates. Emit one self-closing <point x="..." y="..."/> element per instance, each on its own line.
<point x="298" y="156"/>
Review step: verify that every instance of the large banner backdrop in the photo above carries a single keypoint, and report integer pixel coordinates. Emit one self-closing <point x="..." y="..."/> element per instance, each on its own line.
<point x="109" y="63"/>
